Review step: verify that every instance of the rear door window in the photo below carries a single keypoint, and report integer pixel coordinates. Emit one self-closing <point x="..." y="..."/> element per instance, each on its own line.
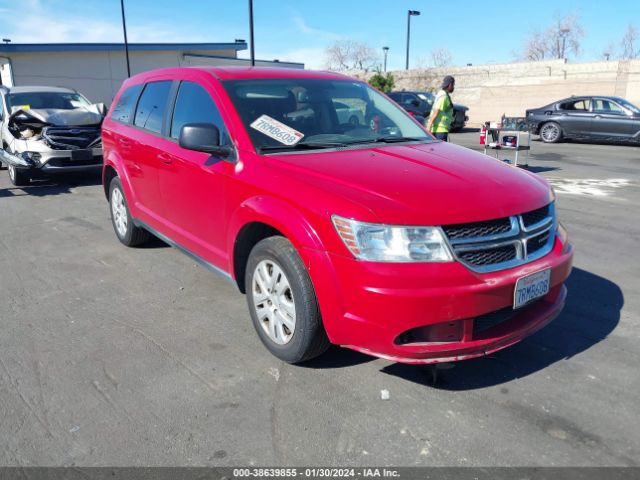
<point x="152" y="105"/>
<point x="123" y="111"/>
<point x="195" y="105"/>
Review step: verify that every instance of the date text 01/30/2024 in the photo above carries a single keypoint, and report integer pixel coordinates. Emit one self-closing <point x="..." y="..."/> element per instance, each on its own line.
<point x="315" y="473"/>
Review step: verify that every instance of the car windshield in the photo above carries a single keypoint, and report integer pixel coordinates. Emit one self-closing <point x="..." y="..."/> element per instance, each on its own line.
<point x="58" y="100"/>
<point x="427" y="97"/>
<point x="629" y="106"/>
<point x="296" y="113"/>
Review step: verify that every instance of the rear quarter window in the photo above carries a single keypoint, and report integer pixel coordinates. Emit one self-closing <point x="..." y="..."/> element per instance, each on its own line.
<point x="576" y="105"/>
<point x="123" y="111"/>
<point x="152" y="106"/>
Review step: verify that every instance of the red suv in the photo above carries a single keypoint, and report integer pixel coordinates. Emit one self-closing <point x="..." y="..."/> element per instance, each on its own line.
<point x="355" y="229"/>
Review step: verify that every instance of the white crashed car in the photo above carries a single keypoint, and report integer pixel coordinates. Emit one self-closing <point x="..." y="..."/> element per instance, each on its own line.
<point x="46" y="130"/>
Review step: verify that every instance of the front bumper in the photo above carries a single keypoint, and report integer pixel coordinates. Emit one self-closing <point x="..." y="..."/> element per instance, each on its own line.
<point x="55" y="161"/>
<point x="369" y="306"/>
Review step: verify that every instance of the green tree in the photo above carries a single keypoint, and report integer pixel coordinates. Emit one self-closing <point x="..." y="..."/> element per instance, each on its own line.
<point x="384" y="83"/>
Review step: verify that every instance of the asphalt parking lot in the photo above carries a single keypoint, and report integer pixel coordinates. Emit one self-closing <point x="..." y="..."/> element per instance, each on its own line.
<point x="119" y="357"/>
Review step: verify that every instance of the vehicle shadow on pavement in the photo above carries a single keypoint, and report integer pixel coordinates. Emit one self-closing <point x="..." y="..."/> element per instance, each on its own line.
<point x="153" y="242"/>
<point x="548" y="157"/>
<point x="591" y="313"/>
<point x="534" y="169"/>
<point x="338" y="357"/>
<point x="56" y="186"/>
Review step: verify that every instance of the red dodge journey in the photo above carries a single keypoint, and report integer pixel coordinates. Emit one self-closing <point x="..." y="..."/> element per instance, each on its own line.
<point x="337" y="215"/>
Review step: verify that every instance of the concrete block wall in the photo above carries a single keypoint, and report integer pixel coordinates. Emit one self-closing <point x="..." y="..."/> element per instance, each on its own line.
<point x="496" y="89"/>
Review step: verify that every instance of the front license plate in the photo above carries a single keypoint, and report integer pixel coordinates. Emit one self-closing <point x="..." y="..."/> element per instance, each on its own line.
<point x="531" y="287"/>
<point x="82" y="155"/>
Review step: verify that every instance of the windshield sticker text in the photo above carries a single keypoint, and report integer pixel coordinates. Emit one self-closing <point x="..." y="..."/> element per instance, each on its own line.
<point x="276" y="130"/>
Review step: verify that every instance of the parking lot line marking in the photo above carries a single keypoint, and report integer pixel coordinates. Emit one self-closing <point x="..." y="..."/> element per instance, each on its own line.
<point x="588" y="186"/>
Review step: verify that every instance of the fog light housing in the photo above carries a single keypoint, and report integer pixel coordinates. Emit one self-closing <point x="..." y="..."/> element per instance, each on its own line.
<point x="436" y="333"/>
<point x="31" y="157"/>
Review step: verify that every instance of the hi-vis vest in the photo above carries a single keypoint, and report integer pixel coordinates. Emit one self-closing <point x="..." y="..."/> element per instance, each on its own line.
<point x="443" y="120"/>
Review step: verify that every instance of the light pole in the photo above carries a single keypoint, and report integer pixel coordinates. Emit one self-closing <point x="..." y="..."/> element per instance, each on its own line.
<point x="385" y="50"/>
<point x="253" y="53"/>
<point x="126" y="43"/>
<point x="410" y="13"/>
<point x="563" y="34"/>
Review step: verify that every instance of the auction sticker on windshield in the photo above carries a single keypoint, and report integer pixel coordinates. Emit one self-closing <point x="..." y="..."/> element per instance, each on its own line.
<point x="531" y="287"/>
<point x="276" y="130"/>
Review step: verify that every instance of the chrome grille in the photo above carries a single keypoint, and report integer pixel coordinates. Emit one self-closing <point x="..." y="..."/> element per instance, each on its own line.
<point x="477" y="229"/>
<point x="535" y="216"/>
<point x="489" y="257"/>
<point x="72" y="138"/>
<point x="503" y="243"/>
<point x="536" y="243"/>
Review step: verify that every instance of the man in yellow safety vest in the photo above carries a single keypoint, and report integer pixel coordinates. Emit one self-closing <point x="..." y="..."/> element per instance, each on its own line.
<point x="441" y="116"/>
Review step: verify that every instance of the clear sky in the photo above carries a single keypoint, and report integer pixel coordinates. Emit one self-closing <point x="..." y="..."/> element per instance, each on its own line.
<point x="474" y="31"/>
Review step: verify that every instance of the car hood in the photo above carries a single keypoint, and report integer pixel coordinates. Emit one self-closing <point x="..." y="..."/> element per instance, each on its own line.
<point x="81" y="116"/>
<point x="419" y="184"/>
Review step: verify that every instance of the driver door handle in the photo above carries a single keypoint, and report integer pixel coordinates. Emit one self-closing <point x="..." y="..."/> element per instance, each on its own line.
<point x="165" y="158"/>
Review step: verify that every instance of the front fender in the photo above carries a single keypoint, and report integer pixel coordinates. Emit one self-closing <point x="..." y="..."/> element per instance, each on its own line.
<point x="292" y="223"/>
<point x="113" y="160"/>
<point x="278" y="214"/>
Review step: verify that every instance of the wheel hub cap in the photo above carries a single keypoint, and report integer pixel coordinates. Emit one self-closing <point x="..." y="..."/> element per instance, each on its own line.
<point x="273" y="302"/>
<point x="119" y="211"/>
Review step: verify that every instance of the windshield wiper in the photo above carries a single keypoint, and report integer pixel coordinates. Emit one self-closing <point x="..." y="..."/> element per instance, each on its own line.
<point x="302" y="146"/>
<point x="397" y="139"/>
<point x="388" y="139"/>
<point x="321" y="145"/>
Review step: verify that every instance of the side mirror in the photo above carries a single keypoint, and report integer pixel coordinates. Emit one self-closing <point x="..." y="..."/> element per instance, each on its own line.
<point x="203" y="137"/>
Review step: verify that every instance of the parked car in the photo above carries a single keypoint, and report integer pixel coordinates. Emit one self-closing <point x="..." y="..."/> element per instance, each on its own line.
<point x="420" y="103"/>
<point x="586" y="118"/>
<point x="46" y="130"/>
<point x="374" y="236"/>
<point x="347" y="114"/>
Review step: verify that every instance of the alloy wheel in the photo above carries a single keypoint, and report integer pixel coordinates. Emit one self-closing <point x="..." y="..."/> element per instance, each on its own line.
<point x="119" y="212"/>
<point x="273" y="302"/>
<point x="550" y="132"/>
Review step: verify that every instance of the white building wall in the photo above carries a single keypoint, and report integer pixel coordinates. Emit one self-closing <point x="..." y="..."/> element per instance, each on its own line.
<point x="97" y="75"/>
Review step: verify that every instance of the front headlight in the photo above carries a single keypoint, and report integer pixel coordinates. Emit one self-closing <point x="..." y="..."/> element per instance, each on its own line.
<point x="31" y="157"/>
<point x="384" y="243"/>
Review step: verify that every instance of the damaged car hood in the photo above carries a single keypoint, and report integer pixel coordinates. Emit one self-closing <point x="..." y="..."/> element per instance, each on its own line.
<point x="76" y="117"/>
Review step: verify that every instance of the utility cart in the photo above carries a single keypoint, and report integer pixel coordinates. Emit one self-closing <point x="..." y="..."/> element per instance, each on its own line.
<point x="510" y="135"/>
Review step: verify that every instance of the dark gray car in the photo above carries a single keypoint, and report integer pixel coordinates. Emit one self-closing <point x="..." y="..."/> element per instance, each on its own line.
<point x="420" y="103"/>
<point x="586" y="118"/>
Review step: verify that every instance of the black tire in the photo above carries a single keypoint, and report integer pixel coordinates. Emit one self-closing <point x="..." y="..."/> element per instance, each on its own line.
<point x="309" y="338"/>
<point x="18" y="177"/>
<point x="550" y="132"/>
<point x="130" y="235"/>
<point x="5" y="148"/>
